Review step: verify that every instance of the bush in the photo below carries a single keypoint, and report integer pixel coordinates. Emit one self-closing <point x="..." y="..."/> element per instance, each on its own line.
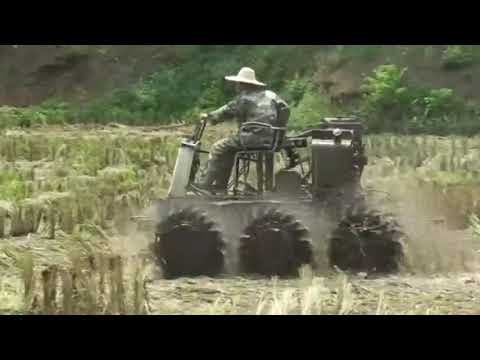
<point x="386" y="89"/>
<point x="441" y="101"/>
<point x="52" y="112"/>
<point x="393" y="106"/>
<point x="457" y="57"/>
<point x="311" y="109"/>
<point x="387" y="99"/>
<point x="295" y="90"/>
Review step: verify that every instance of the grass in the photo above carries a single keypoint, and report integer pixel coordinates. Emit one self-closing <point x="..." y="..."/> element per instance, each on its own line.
<point x="77" y="275"/>
<point x="92" y="286"/>
<point x="74" y="250"/>
<point x="309" y="299"/>
<point x="330" y="294"/>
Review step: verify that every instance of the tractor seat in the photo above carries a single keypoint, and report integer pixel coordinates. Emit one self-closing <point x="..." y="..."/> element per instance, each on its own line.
<point x="250" y="132"/>
<point x="261" y="155"/>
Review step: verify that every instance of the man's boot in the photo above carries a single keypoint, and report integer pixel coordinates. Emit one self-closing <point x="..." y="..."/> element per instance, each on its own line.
<point x="207" y="183"/>
<point x="223" y="173"/>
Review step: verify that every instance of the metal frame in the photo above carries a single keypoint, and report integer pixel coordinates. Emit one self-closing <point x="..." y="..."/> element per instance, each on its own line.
<point x="264" y="159"/>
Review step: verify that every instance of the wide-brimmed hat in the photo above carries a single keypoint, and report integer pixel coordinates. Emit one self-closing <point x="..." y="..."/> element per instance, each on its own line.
<point x="245" y="75"/>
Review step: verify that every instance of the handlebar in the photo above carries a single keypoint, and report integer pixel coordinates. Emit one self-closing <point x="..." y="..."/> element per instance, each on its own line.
<point x="198" y="132"/>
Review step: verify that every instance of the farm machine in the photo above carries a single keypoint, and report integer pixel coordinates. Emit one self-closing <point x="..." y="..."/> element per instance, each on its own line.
<point x="298" y="201"/>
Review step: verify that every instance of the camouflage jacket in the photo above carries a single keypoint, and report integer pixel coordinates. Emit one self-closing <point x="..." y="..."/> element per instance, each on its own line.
<point x="261" y="106"/>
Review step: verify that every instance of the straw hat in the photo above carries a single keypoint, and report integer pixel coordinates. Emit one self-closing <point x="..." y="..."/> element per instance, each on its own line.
<point x="245" y="75"/>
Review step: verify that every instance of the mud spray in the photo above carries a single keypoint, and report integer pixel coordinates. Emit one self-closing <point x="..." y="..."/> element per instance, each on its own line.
<point x="436" y="243"/>
<point x="134" y="238"/>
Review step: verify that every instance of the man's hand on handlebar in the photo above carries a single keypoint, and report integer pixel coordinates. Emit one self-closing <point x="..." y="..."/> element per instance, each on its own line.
<point x="207" y="119"/>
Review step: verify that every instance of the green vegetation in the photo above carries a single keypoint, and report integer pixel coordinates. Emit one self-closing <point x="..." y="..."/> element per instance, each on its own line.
<point x="67" y="197"/>
<point x="12" y="186"/>
<point x="392" y="105"/>
<point x="308" y="106"/>
<point x="67" y="194"/>
<point x="457" y="57"/>
<point x="193" y="83"/>
<point x="181" y="92"/>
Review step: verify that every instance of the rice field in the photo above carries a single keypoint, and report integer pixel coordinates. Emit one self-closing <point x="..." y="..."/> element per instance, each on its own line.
<point x="68" y="246"/>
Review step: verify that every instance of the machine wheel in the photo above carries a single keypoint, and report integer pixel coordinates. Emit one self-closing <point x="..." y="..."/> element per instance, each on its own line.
<point x="274" y="244"/>
<point x="187" y="244"/>
<point x="367" y="242"/>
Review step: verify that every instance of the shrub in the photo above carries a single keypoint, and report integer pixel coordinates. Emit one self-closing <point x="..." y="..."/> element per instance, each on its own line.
<point x="52" y="112"/>
<point x="311" y="109"/>
<point x="295" y="90"/>
<point x="441" y="101"/>
<point x="456" y="57"/>
<point x="393" y="106"/>
<point x="387" y="99"/>
<point x="386" y="89"/>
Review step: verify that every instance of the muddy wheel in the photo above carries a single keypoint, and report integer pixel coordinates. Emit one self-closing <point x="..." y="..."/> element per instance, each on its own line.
<point x="367" y="242"/>
<point x="275" y="244"/>
<point x="187" y="244"/>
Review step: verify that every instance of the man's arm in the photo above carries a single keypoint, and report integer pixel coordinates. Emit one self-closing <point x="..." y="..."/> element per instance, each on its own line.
<point x="226" y="112"/>
<point x="283" y="112"/>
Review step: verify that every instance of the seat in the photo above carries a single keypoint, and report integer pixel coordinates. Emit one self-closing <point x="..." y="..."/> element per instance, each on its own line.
<point x="262" y="156"/>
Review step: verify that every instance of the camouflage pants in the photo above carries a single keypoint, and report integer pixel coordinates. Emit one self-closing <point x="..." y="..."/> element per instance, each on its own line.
<point x="220" y="163"/>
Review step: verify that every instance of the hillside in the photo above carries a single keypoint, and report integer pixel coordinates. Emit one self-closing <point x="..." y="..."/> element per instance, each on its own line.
<point x="162" y="83"/>
<point x="79" y="186"/>
<point x="34" y="73"/>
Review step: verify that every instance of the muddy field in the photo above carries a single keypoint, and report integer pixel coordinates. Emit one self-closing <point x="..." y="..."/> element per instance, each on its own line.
<point x="68" y="245"/>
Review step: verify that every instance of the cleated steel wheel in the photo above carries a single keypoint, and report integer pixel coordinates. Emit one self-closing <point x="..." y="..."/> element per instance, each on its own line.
<point x="367" y="242"/>
<point x="275" y="244"/>
<point x="187" y="244"/>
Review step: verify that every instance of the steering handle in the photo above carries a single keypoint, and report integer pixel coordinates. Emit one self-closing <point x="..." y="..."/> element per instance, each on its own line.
<point x="199" y="129"/>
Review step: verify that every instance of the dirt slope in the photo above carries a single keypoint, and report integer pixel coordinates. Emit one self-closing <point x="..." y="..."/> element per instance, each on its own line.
<point x="33" y="73"/>
<point x="424" y="64"/>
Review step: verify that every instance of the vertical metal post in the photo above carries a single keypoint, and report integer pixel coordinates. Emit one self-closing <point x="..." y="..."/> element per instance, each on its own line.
<point x="260" y="175"/>
<point x="269" y="169"/>
<point x="237" y="174"/>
